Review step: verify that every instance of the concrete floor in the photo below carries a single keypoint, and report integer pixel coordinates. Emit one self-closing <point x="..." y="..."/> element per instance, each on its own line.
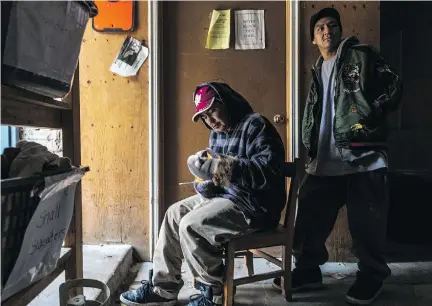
<point x="107" y="263"/>
<point x="409" y="285"/>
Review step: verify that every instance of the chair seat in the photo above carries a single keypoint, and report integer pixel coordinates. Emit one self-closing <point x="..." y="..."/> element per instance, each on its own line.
<point x="261" y="239"/>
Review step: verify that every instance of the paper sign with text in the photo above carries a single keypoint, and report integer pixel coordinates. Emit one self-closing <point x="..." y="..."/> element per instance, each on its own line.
<point x="250" y="29"/>
<point x="45" y="233"/>
<point x="218" y="36"/>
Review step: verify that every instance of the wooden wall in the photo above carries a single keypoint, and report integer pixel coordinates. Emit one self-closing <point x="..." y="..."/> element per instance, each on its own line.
<point x="114" y="129"/>
<point x="361" y="19"/>
<point x="114" y="122"/>
<point x="259" y="75"/>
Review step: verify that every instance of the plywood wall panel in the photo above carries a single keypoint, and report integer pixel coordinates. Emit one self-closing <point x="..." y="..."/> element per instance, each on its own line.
<point x="114" y="129"/>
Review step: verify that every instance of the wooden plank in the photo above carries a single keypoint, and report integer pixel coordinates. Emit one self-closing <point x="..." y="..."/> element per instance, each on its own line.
<point x="229" y="274"/>
<point x="26" y="295"/>
<point x="72" y="149"/>
<point x="261" y="240"/>
<point x="257" y="278"/>
<point x="241" y="253"/>
<point x="21" y="95"/>
<point x="286" y="268"/>
<point x="268" y="257"/>
<point x="273" y="251"/>
<point x="114" y="131"/>
<point x="288" y="80"/>
<point x="24" y="114"/>
<point x="248" y="260"/>
<point x="361" y="19"/>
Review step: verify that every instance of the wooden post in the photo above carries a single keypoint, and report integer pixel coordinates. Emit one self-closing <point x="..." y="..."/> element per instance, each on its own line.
<point x="72" y="149"/>
<point x="248" y="259"/>
<point x="229" y="274"/>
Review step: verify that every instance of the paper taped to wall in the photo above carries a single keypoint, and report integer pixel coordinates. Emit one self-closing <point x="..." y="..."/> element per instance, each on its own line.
<point x="250" y="29"/>
<point x="130" y="58"/>
<point x="219" y="31"/>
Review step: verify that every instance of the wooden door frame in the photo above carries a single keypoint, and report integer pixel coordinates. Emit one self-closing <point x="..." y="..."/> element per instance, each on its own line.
<point x="155" y="122"/>
<point x="292" y="79"/>
<point x="156" y="105"/>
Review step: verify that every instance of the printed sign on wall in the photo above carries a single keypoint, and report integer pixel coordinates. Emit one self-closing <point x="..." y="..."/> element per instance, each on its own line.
<point x="250" y="29"/>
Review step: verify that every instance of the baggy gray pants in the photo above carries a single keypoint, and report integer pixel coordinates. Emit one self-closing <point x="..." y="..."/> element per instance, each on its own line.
<point x="195" y="229"/>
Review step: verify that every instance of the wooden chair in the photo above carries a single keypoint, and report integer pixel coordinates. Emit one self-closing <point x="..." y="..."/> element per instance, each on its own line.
<point x="249" y="245"/>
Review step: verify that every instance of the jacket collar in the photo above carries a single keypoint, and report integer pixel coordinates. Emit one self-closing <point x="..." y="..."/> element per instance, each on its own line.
<point x="341" y="51"/>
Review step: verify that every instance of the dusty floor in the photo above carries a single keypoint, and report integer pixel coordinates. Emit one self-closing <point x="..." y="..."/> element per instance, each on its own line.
<point x="409" y="285"/>
<point x="108" y="264"/>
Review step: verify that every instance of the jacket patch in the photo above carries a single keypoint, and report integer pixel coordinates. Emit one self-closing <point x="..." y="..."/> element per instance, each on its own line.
<point x="356" y="127"/>
<point x="351" y="76"/>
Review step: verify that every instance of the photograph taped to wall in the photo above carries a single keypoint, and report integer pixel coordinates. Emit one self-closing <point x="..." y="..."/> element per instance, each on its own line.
<point x="130" y="58"/>
<point x="250" y="29"/>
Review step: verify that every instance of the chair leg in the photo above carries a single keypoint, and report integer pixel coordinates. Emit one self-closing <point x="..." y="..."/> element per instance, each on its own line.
<point x="286" y="279"/>
<point x="248" y="258"/>
<point x="229" y="275"/>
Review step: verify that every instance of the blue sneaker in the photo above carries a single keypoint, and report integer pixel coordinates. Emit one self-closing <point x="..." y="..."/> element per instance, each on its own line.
<point x="145" y="296"/>
<point x="205" y="298"/>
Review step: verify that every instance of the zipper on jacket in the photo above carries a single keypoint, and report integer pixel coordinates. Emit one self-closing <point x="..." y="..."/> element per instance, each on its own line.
<point x="335" y="107"/>
<point x="319" y="111"/>
<point x="336" y="97"/>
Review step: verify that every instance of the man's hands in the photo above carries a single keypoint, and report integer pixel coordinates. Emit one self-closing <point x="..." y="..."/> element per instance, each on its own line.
<point x="200" y="165"/>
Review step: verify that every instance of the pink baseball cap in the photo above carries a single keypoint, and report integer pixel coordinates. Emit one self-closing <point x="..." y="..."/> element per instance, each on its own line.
<point x="204" y="98"/>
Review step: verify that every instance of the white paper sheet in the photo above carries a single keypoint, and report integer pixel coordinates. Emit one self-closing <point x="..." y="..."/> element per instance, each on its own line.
<point x="44" y="236"/>
<point x="250" y="29"/>
<point x="130" y="58"/>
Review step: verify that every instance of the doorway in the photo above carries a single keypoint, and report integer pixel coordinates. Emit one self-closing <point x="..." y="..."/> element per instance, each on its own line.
<point x="405" y="43"/>
<point x="259" y="75"/>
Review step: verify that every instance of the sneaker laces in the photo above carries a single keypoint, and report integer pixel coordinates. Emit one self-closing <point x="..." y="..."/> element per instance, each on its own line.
<point x="145" y="291"/>
<point x="201" y="299"/>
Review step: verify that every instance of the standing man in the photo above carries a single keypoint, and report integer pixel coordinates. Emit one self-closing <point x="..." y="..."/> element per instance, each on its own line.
<point x="352" y="91"/>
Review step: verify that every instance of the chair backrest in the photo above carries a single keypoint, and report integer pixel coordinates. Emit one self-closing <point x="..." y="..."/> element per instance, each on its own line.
<point x="291" y="170"/>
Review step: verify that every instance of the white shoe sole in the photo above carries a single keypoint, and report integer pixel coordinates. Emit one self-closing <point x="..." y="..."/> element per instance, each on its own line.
<point x="354" y="301"/>
<point x="129" y="303"/>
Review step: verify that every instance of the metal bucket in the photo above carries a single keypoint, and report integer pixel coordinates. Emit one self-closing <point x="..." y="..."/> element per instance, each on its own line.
<point x="80" y="300"/>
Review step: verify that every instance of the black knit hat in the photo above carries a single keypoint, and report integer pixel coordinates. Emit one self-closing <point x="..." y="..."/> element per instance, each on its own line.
<point x="325" y="12"/>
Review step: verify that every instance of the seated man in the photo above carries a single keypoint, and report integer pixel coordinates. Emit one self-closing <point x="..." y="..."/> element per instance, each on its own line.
<point x="242" y="190"/>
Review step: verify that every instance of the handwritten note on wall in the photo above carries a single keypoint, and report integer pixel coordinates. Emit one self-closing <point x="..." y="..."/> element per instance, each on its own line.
<point x="219" y="31"/>
<point x="250" y="29"/>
